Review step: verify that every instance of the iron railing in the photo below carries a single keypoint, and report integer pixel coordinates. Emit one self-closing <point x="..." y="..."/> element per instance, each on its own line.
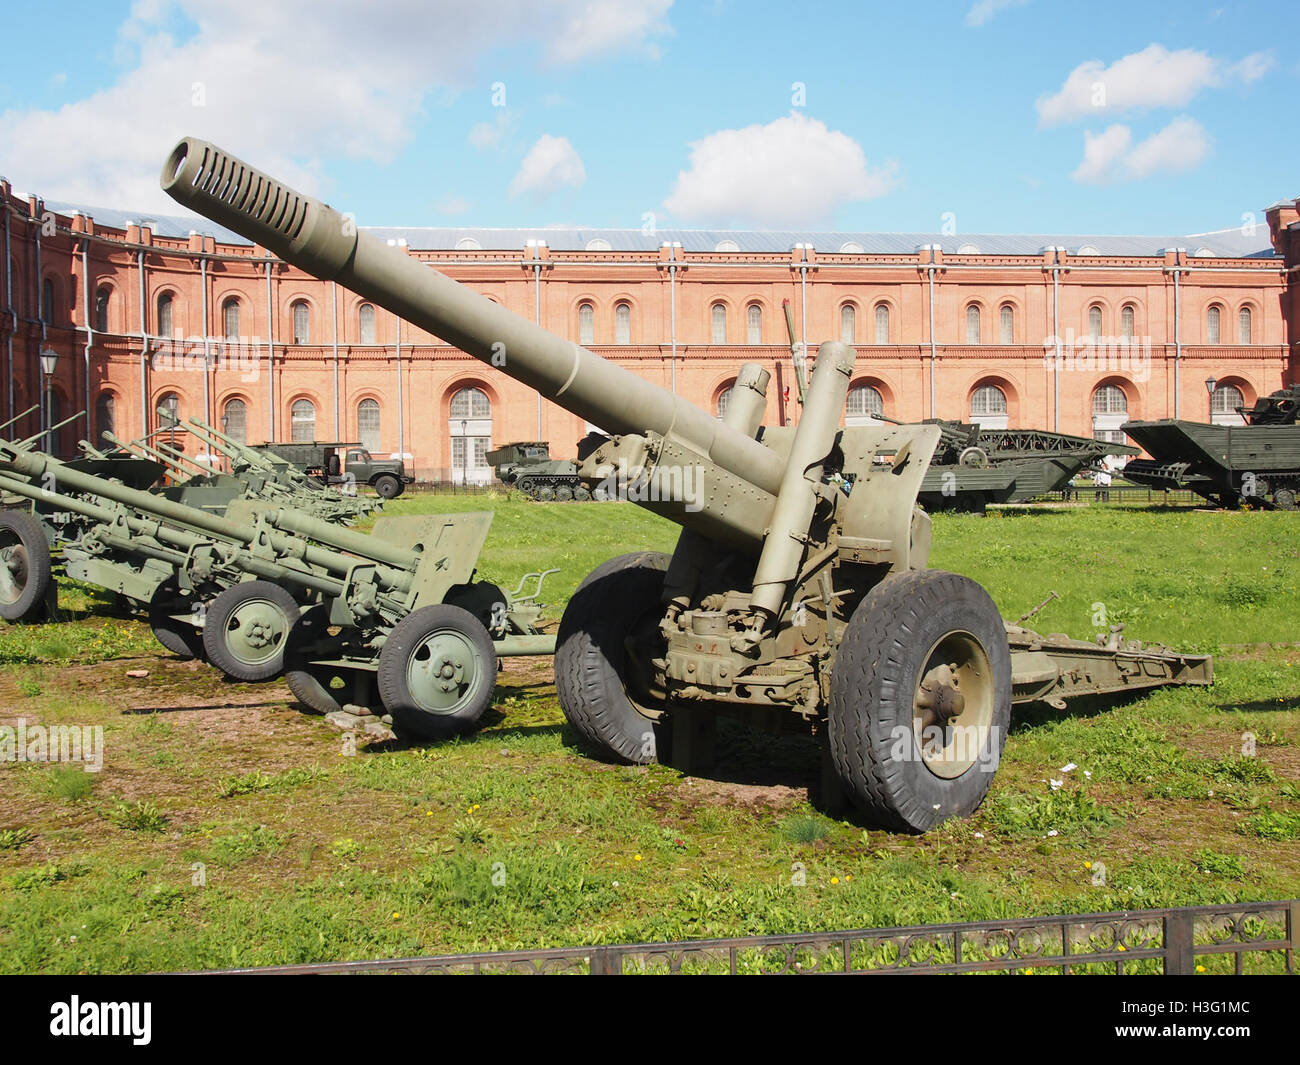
<point x="1242" y="938"/>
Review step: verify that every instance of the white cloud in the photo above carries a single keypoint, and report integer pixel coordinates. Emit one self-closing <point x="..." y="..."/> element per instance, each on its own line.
<point x="1152" y="78"/>
<point x="281" y="83"/>
<point x="550" y="165"/>
<point x="1110" y="156"/>
<point x="791" y="172"/>
<point x="489" y="135"/>
<point x="984" y="10"/>
<point x="1101" y="151"/>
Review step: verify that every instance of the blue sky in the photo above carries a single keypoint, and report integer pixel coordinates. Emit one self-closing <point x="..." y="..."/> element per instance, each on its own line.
<point x="1006" y="116"/>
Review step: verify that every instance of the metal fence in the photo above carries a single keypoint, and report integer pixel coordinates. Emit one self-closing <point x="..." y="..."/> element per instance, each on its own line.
<point x="1245" y="938"/>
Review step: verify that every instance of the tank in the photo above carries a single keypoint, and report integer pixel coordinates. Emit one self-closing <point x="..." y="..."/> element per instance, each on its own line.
<point x="527" y="465"/>
<point x="1256" y="464"/>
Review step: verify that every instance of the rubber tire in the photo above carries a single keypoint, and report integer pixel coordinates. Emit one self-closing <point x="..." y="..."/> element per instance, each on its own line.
<point x="184" y="641"/>
<point x="877" y="668"/>
<point x="298" y="677"/>
<point x="387" y="486"/>
<point x="589" y="655"/>
<point x="218" y="615"/>
<point x="30" y="534"/>
<point x="408" y="715"/>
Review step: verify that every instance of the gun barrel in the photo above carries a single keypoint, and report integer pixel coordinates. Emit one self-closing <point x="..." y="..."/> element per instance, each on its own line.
<point x="318" y="239"/>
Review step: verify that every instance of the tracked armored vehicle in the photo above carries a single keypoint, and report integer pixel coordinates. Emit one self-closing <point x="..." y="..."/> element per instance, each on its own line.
<point x="528" y="466"/>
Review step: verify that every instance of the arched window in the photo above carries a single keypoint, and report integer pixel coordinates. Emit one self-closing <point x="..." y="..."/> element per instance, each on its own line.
<point x="471" y="429"/>
<point x="1126" y="318"/>
<point x="1109" y="412"/>
<point x="865" y="405"/>
<point x="165" y="306"/>
<point x="848" y="324"/>
<point x="1094" y="321"/>
<point x="724" y="398"/>
<point x="368" y="424"/>
<point x="101" y="308"/>
<point x="719" y="323"/>
<point x="1212" y="325"/>
<point x="1243" y="326"/>
<point x="234" y="420"/>
<point x="301" y="323"/>
<point x="973" y="324"/>
<point x="882" y="323"/>
<point x="988" y="407"/>
<point x="623" y="323"/>
<point x="586" y="324"/>
<point x="1224" y="403"/>
<point x="47" y="301"/>
<point x="1007" y="324"/>
<point x="230" y="318"/>
<point x="367" y="324"/>
<point x="754" y="324"/>
<point x="169" y="411"/>
<point x="105" y="415"/>
<point x="302" y="421"/>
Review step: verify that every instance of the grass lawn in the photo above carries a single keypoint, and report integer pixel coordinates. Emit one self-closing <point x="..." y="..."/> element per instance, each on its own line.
<point x="227" y="827"/>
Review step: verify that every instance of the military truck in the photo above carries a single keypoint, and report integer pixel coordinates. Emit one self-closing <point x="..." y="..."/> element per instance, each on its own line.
<point x="527" y="465"/>
<point x="343" y="463"/>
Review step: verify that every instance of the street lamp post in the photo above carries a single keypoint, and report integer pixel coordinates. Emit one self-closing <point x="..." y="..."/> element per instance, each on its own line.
<point x="1211" y="383"/>
<point x="49" y="363"/>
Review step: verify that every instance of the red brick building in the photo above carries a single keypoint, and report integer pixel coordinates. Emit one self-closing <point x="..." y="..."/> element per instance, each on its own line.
<point x="1072" y="333"/>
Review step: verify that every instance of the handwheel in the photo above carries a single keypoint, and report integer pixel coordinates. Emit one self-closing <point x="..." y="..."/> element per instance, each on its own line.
<point x="245" y="630"/>
<point x="920" y="699"/>
<point x="437" y="671"/>
<point x="24" y="566"/>
<point x="590" y="655"/>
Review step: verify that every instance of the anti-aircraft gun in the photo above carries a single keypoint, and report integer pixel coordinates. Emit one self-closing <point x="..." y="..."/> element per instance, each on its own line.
<point x="798" y="593"/>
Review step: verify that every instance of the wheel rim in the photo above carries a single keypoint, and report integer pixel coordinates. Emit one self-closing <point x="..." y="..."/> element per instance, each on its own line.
<point x="952" y="706"/>
<point x="441" y="671"/>
<point x="13" y="571"/>
<point x="255" y="631"/>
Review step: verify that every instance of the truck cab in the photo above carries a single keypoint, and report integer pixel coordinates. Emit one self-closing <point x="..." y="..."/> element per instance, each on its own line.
<point x="344" y="463"/>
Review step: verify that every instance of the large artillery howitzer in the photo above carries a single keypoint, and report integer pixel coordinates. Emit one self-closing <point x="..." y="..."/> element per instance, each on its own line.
<point x="797" y="593"/>
<point x="269" y="585"/>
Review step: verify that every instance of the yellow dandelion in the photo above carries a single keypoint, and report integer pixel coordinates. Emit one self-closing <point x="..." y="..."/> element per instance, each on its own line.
<point x="1122" y="947"/>
<point x="835" y="880"/>
<point x="1087" y="865"/>
<point x="636" y="857"/>
<point x="1200" y="968"/>
<point x="428" y="813"/>
<point x="396" y="916"/>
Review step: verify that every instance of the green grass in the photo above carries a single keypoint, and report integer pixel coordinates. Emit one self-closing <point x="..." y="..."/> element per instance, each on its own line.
<point x="228" y="828"/>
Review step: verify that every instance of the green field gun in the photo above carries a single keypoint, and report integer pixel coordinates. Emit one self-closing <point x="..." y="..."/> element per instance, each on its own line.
<point x="798" y="595"/>
<point x="392" y="618"/>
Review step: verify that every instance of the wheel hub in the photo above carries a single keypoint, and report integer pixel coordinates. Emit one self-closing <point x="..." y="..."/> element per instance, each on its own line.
<point x="256" y="631"/>
<point x="952" y="706"/>
<point x="439" y="671"/>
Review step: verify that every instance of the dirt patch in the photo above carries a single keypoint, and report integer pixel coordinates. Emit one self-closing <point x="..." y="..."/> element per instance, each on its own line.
<point x="700" y="791"/>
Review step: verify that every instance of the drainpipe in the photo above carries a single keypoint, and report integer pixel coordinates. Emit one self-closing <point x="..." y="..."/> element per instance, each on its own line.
<point x="40" y="315"/>
<point x="144" y="349"/>
<point x="203" y="280"/>
<point x="803" y="296"/>
<point x="9" y="306"/>
<point x="1056" y="332"/>
<point x="934" y="352"/>
<point x="270" y="351"/>
<point x="1178" y="335"/>
<point x="672" y="247"/>
<point x="536" y="245"/>
<point x="90" y="332"/>
<point x="334" y="314"/>
<point x="401" y="411"/>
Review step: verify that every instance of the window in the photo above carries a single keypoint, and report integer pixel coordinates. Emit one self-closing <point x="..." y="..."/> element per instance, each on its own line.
<point x="1212" y="325"/>
<point x="230" y="318"/>
<point x="234" y="420"/>
<point x="302" y="421"/>
<point x="973" y="324"/>
<point x="101" y="308"/>
<point x="726" y="245"/>
<point x="865" y="405"/>
<point x="586" y="324"/>
<point x="598" y="244"/>
<point x="1126" y="317"/>
<point x="1094" y="321"/>
<point x="301" y="323"/>
<point x="471" y="403"/>
<point x="47" y="301"/>
<point x="105" y="415"/>
<point x="1226" y="399"/>
<point x="848" y="324"/>
<point x="1243" y="326"/>
<point x="367" y="324"/>
<point x="169" y="411"/>
<point x="988" y="407"/>
<point x="724" y="398"/>
<point x="882" y="323"/>
<point x="719" y="323"/>
<point x="368" y="424"/>
<point x="1007" y="324"/>
<point x="165" y="305"/>
<point x="468" y="244"/>
<point x="1109" y="399"/>
<point x="623" y="323"/>
<point x="754" y="324"/>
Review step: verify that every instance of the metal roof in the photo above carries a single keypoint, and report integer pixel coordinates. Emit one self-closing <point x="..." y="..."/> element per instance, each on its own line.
<point x="1246" y="242"/>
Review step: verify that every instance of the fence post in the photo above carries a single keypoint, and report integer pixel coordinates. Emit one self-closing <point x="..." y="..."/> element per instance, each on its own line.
<point x="1180" y="959"/>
